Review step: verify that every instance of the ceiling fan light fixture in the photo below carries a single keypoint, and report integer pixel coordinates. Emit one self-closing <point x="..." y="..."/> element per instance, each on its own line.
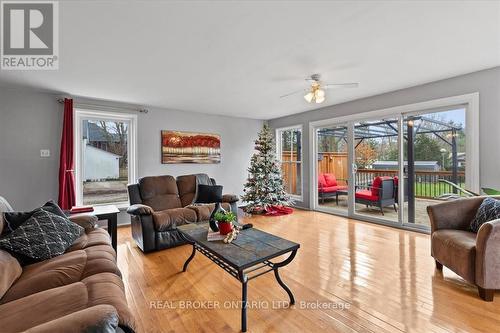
<point x="316" y="91"/>
<point x="309" y="97"/>
<point x="320" y="93"/>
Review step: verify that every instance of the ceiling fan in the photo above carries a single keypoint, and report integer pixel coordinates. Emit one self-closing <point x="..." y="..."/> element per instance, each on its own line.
<point x="316" y="92"/>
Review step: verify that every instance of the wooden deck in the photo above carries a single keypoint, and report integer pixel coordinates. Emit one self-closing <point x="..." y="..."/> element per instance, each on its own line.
<point x="421" y="216"/>
<point x="348" y="276"/>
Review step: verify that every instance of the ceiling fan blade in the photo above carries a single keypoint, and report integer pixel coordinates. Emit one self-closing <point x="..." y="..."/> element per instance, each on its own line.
<point x="295" y="92"/>
<point x="341" y="85"/>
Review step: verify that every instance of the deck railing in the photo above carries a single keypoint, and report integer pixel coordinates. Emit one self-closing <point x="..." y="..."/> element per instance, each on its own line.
<point x="427" y="184"/>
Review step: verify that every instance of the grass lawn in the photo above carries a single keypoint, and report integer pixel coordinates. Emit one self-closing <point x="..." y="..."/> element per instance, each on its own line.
<point x="433" y="189"/>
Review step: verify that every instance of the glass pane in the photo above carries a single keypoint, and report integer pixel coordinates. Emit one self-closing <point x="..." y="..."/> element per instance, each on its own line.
<point x="434" y="153"/>
<point x="332" y="168"/>
<point x="104" y="161"/>
<point x="296" y="144"/>
<point x="376" y="176"/>
<point x="291" y="154"/>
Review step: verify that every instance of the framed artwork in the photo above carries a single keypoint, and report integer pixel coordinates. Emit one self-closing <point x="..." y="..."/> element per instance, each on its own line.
<point x="189" y="147"/>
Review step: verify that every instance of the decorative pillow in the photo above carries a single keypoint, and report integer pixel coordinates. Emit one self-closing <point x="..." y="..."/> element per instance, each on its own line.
<point x="15" y="219"/>
<point x="488" y="211"/>
<point x="43" y="236"/>
<point x="209" y="194"/>
<point x="330" y="179"/>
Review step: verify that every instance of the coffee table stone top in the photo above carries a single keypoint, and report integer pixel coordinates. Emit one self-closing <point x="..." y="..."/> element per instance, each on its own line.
<point x="252" y="246"/>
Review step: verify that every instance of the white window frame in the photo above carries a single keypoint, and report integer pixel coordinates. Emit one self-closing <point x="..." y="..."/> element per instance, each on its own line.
<point x="80" y="115"/>
<point x="279" y="156"/>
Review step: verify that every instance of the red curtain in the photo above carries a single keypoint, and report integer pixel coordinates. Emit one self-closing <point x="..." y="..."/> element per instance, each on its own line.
<point x="66" y="163"/>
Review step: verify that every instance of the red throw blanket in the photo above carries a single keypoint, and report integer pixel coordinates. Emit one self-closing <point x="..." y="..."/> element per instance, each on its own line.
<point x="278" y="210"/>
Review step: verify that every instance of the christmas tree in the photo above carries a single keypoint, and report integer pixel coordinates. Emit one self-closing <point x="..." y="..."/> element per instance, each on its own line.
<point x="264" y="187"/>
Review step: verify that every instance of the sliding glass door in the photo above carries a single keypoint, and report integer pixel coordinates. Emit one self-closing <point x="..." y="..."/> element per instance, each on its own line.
<point x="434" y="160"/>
<point x="389" y="169"/>
<point x="332" y="168"/>
<point x="376" y="169"/>
<point x="357" y="169"/>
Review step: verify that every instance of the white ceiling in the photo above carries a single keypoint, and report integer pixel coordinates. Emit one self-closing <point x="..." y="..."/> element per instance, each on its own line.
<point x="237" y="58"/>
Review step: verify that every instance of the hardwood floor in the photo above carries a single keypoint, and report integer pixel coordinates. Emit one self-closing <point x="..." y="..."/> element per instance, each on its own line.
<point x="366" y="278"/>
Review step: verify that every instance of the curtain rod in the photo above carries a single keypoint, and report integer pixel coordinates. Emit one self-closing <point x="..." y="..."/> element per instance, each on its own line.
<point x="100" y="107"/>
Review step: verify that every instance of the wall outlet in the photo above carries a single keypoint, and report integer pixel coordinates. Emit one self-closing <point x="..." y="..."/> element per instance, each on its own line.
<point x="44" y="153"/>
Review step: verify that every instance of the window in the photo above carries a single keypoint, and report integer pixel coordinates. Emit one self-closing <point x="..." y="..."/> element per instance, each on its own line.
<point x="105" y="157"/>
<point x="289" y="147"/>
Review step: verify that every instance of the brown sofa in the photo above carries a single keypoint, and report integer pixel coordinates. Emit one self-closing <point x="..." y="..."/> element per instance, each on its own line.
<point x="161" y="203"/>
<point x="79" y="291"/>
<point x="475" y="257"/>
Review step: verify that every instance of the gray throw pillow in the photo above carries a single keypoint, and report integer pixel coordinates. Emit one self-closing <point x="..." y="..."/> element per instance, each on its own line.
<point x="488" y="211"/>
<point x="42" y="236"/>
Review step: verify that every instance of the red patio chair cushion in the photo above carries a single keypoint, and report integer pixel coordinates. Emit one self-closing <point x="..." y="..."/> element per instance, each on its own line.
<point x="366" y="194"/>
<point x="321" y="180"/>
<point x="331" y="189"/>
<point x="330" y="179"/>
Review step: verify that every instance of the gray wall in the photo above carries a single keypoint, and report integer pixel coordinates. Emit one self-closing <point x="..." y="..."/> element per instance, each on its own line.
<point x="486" y="82"/>
<point x="30" y="121"/>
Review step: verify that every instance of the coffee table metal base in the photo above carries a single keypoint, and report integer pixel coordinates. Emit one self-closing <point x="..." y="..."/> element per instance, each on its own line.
<point x="244" y="275"/>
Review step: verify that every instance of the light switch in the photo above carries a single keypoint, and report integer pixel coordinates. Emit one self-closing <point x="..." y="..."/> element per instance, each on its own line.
<point x="44" y="153"/>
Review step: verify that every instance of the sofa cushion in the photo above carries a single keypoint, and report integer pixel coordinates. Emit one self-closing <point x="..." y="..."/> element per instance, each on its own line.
<point x="10" y="271"/>
<point x="15" y="219"/>
<point x="170" y="218"/>
<point x="488" y="211"/>
<point x="186" y="185"/>
<point x="456" y="249"/>
<point x="204" y="211"/>
<point x="160" y="192"/>
<point x="98" y="318"/>
<point x="43" y="236"/>
<point x="63" y="270"/>
<point x="366" y="195"/>
<point x="48" y="305"/>
<point x="91" y="237"/>
<point x="330" y="179"/>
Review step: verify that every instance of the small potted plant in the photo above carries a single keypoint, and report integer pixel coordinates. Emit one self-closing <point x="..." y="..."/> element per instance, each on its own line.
<point x="225" y="221"/>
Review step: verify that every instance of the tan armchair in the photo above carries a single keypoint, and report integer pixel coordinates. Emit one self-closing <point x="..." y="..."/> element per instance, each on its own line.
<point x="475" y="257"/>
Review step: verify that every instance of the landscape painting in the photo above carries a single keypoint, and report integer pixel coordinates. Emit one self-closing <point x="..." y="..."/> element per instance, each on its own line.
<point x="189" y="147"/>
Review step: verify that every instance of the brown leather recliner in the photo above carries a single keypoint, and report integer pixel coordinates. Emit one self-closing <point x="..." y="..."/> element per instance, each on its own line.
<point x="161" y="203"/>
<point x="78" y="291"/>
<point x="475" y="257"/>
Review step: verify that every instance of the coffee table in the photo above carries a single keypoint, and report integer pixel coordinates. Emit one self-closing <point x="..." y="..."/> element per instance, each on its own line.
<point x="247" y="257"/>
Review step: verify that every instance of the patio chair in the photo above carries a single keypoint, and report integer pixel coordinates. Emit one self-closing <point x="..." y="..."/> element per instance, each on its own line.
<point x="328" y="186"/>
<point x="379" y="194"/>
<point x="396" y="187"/>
